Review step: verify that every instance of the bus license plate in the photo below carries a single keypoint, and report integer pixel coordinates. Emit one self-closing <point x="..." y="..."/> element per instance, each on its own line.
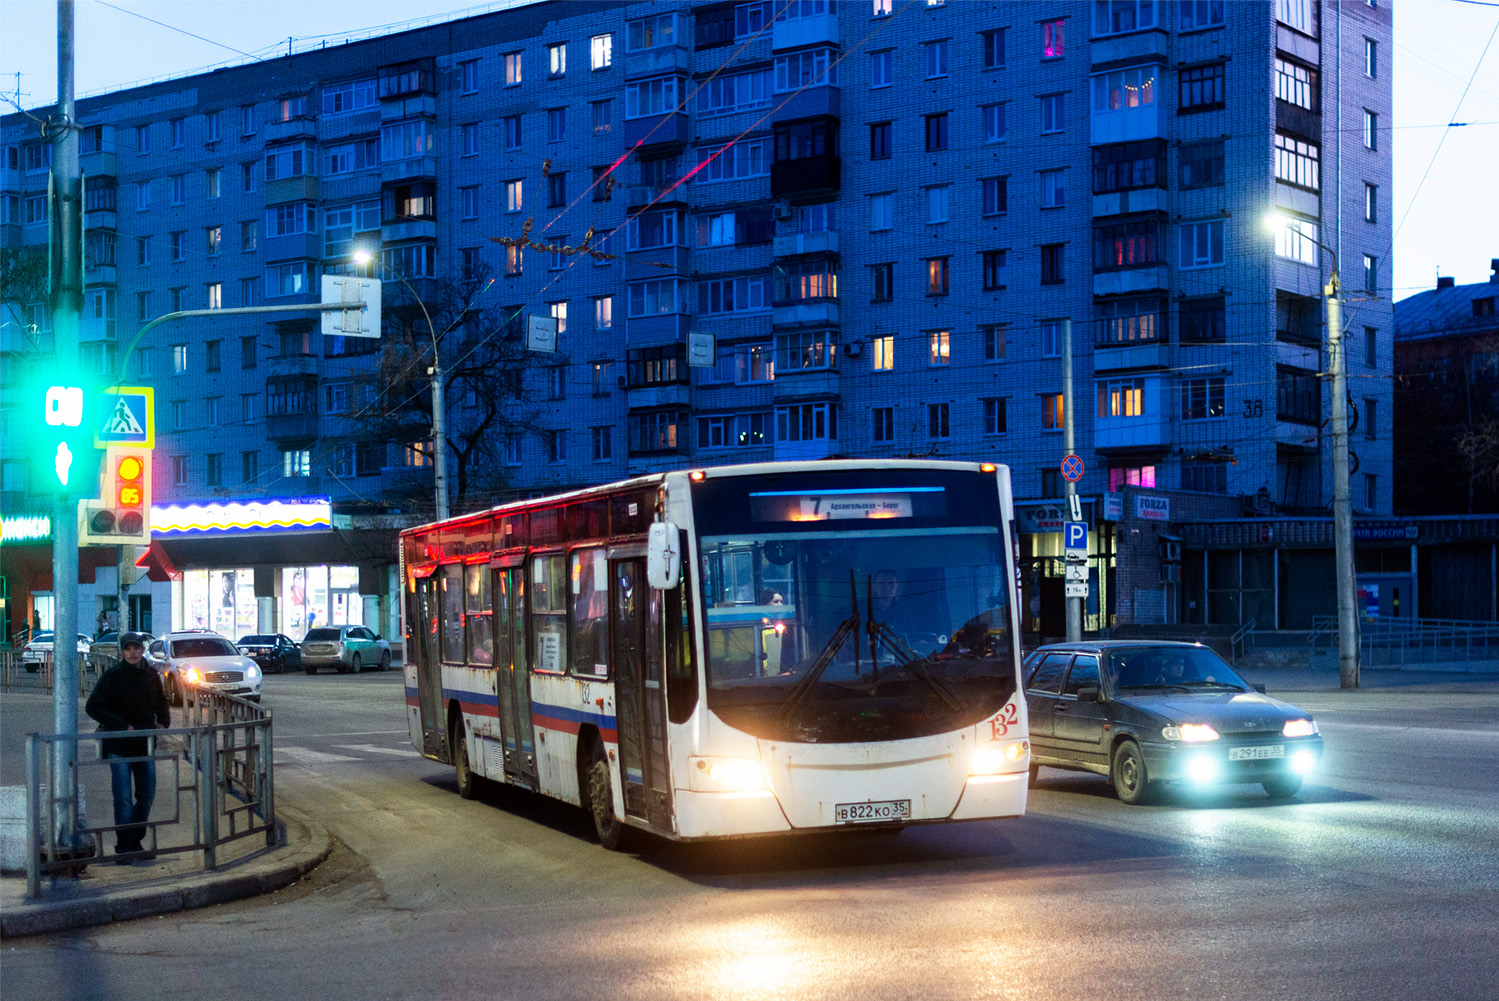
<point x="1256" y="753"/>
<point x="872" y="813"/>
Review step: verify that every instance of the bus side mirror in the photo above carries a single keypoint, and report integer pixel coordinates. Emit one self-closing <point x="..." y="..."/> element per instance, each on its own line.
<point x="663" y="559"/>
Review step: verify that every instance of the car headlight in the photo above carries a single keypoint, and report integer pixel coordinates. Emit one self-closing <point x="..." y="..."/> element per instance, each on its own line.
<point x="1190" y="733"/>
<point x="191" y="675"/>
<point x="252" y="672"/>
<point x="998" y="756"/>
<point x="1299" y="728"/>
<point x="728" y="775"/>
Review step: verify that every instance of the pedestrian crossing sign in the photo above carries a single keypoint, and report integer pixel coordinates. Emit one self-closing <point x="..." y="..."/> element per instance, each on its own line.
<point x="126" y="416"/>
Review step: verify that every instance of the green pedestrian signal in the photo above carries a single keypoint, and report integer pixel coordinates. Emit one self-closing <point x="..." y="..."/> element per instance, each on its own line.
<point x="66" y="460"/>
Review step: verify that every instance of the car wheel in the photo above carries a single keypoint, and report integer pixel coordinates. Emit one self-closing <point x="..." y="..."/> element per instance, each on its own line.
<point x="1131" y="782"/>
<point x="358" y="664"/>
<point x="599" y="791"/>
<point x="385" y="660"/>
<point x="254" y="698"/>
<point x="1282" y="786"/>
<point x="32" y="668"/>
<point x="468" y="783"/>
<point x="310" y="668"/>
<point x="174" y="693"/>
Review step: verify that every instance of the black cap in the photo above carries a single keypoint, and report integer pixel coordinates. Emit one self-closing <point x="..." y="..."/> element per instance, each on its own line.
<point x="130" y="640"/>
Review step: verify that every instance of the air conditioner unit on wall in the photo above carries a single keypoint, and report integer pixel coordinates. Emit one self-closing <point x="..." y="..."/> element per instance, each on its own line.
<point x="854" y="348"/>
<point x="782" y="209"/>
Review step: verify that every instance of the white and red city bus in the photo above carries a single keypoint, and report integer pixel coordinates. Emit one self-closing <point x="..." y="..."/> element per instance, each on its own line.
<point x="730" y="651"/>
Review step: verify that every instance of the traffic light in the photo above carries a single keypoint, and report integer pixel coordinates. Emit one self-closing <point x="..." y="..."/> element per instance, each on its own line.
<point x="122" y="514"/>
<point x="65" y="458"/>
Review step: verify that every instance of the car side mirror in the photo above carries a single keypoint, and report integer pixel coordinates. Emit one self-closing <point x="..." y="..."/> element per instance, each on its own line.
<point x="1090" y="693"/>
<point x="1258" y="688"/>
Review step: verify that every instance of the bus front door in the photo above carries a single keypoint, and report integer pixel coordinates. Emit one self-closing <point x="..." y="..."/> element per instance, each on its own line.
<point x="429" y="667"/>
<point x="514" y="687"/>
<point x="639" y="693"/>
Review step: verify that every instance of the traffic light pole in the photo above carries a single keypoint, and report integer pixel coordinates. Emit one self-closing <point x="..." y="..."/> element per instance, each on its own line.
<point x="1074" y="605"/>
<point x="66" y="273"/>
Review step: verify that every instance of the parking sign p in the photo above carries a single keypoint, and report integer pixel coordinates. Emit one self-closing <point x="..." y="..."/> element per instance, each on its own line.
<point x="1075" y="535"/>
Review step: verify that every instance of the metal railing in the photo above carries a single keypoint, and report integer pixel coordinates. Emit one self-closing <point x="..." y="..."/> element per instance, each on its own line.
<point x="221" y="788"/>
<point x="17" y="673"/>
<point x="1394" y="642"/>
<point x="1242" y="639"/>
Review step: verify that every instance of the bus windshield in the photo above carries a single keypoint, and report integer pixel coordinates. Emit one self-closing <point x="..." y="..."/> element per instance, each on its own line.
<point x="847" y="611"/>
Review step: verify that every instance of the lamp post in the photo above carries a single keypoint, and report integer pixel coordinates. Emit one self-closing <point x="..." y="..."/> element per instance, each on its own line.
<point x="1342" y="506"/>
<point x="439" y="409"/>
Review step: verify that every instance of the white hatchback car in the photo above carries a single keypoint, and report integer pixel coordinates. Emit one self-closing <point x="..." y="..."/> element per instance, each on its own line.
<point x="202" y="659"/>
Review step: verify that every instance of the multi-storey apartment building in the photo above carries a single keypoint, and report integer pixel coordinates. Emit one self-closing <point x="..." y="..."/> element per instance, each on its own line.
<point x="888" y="213"/>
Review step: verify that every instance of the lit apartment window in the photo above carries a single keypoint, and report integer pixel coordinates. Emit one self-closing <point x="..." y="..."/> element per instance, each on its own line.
<point x="513" y="69"/>
<point x="557" y="59"/>
<point x="882" y="353"/>
<point x="1053" y="38"/>
<point x="601" y="51"/>
<point x="936" y="275"/>
<point x="939" y="347"/>
<point x="1052" y="415"/>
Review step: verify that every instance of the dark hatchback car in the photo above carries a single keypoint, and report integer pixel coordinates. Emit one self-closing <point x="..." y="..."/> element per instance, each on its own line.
<point x="274" y="652"/>
<point x="1143" y="713"/>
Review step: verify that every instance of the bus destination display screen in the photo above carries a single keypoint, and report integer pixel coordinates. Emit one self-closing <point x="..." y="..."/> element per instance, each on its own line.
<point x="846" y="504"/>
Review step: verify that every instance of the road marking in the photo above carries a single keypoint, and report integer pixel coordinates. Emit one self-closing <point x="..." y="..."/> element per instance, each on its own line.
<point x="1421" y="731"/>
<point x="400" y="752"/>
<point x="304" y="755"/>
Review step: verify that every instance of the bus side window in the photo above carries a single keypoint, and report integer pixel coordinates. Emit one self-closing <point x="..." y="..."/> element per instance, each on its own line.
<point x="549" y="611"/>
<point x="454" y="649"/>
<point x="502" y="652"/>
<point x="478" y="606"/>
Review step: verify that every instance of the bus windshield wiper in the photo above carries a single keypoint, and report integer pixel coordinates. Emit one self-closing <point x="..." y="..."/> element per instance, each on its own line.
<point x="846" y="628"/>
<point x="908" y="658"/>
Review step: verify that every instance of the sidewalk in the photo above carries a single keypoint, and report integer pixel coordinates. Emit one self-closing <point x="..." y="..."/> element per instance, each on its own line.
<point x="1325" y="679"/>
<point x="104" y="892"/>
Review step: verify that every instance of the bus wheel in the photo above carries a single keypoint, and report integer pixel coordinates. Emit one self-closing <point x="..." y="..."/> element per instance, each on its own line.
<point x="600" y="801"/>
<point x="468" y="783"/>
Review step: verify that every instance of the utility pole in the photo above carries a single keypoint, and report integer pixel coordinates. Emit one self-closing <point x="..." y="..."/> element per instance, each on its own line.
<point x="66" y="285"/>
<point x="1074" y="605"/>
<point x="1342" y="504"/>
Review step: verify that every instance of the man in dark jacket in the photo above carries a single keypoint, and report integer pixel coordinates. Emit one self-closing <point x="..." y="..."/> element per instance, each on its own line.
<point x="129" y="697"/>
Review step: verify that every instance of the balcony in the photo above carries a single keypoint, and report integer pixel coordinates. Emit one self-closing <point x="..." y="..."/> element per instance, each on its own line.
<point x="298" y="246"/>
<point x="806" y="176"/>
<point x="650" y="397"/>
<point x="1129" y="280"/>
<point x="638" y="196"/>
<point x="291" y="428"/>
<point x="96" y="329"/>
<point x="1298" y="121"/>
<point x="291" y="189"/>
<point x="672" y="128"/>
<point x="793" y="33"/>
<point x="820" y="242"/>
<point x="662" y="328"/>
<point x="100" y="163"/>
<point x="1298" y="201"/>
<point x="657" y="262"/>
<point x="1128" y="434"/>
<point x="804" y="451"/>
<point x="405" y="170"/>
<point x="407" y="106"/>
<point x="1151" y="45"/>
<point x="1125" y="202"/>
<point x="301" y="127"/>
<point x="10" y="178"/>
<point x="101" y="219"/>
<point x="814" y="102"/>
<point x="401" y="230"/>
<point x="287" y="365"/>
<point x="1117" y="357"/>
<point x="806" y="384"/>
<point x="810" y="313"/>
<point x="99" y="274"/>
<point x="655" y="62"/>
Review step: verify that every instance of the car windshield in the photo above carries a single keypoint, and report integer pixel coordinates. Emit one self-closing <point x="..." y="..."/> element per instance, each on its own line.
<point x="1171" y="666"/>
<point x="257" y="641"/>
<point x="203" y="646"/>
<point x="322" y="635"/>
<point x="42" y="638"/>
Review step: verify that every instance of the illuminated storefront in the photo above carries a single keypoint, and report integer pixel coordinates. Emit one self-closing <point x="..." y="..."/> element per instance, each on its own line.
<point x="225" y="601"/>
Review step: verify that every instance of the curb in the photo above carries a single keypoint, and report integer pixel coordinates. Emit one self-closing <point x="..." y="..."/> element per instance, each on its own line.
<point x="283" y="866"/>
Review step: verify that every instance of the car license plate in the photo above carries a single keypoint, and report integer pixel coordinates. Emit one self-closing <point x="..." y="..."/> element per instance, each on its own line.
<point x="1256" y="753"/>
<point x="872" y="813"/>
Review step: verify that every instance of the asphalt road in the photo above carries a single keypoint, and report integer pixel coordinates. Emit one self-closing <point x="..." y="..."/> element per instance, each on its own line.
<point x="1379" y="881"/>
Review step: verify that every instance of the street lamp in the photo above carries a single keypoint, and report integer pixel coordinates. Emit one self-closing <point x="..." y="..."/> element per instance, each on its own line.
<point x="1342" y="507"/>
<point x="439" y="422"/>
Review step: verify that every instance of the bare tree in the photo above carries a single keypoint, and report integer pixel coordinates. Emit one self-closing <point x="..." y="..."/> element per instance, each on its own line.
<point x="23" y="280"/>
<point x="485" y="362"/>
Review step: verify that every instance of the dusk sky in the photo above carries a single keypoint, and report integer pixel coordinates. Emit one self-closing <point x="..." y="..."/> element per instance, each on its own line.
<point x="1452" y="228"/>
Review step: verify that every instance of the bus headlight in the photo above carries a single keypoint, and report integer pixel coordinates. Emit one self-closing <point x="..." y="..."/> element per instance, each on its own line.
<point x="996" y="757"/>
<point x="728" y="775"/>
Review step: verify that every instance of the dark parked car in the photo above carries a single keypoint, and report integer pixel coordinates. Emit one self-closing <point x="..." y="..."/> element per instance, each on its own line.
<point x="274" y="652"/>
<point x="1143" y="713"/>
